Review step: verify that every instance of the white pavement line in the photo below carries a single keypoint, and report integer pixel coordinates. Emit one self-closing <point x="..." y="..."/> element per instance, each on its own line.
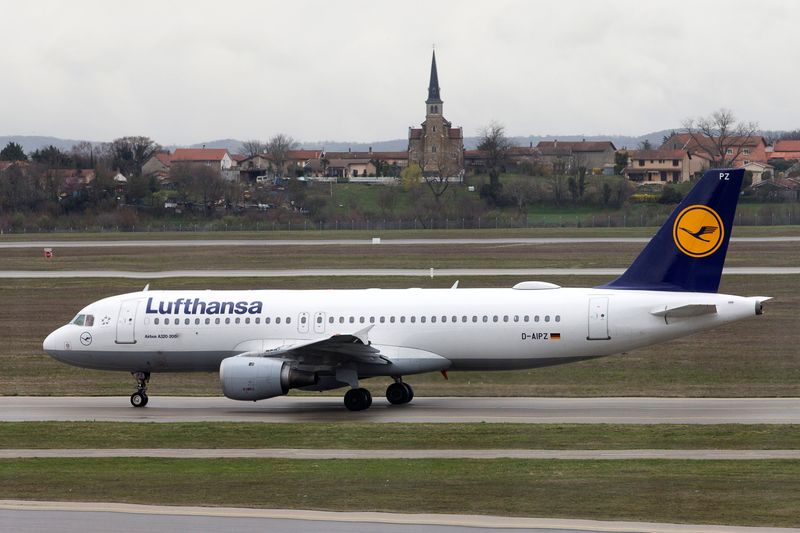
<point x="373" y="272"/>
<point x="307" y="453"/>
<point x="478" y="521"/>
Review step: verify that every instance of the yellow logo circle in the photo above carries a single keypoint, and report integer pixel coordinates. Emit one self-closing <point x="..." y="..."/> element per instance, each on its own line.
<point x="698" y="231"/>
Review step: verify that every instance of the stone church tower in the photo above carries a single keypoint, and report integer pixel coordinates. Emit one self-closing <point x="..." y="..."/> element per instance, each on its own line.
<point x="437" y="147"/>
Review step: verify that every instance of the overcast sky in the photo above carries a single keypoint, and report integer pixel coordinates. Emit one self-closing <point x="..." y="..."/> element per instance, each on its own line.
<point x="185" y="72"/>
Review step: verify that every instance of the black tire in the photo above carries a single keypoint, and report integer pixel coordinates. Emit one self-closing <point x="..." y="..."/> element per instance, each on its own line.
<point x="355" y="400"/>
<point x="138" y="399"/>
<point x="367" y="398"/>
<point x="397" y="393"/>
<point x="410" y="392"/>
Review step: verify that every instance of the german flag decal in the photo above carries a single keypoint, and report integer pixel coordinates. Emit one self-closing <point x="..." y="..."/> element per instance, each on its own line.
<point x="555" y="336"/>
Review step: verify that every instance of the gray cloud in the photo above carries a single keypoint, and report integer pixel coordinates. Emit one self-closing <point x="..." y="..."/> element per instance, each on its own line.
<point x="357" y="70"/>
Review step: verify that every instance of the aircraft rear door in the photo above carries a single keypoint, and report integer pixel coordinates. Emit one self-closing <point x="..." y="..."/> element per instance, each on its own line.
<point x="598" y="318"/>
<point x="126" y="322"/>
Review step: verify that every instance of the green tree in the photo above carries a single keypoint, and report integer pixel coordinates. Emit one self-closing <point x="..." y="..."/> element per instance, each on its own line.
<point x="620" y="161"/>
<point x="13" y="152"/>
<point x="645" y="145"/>
<point x="52" y="157"/>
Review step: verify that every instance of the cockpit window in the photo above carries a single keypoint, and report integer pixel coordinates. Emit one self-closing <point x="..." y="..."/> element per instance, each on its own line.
<point x="83" y="320"/>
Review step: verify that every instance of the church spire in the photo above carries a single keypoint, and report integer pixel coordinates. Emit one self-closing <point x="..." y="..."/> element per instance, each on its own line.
<point x="433" y="86"/>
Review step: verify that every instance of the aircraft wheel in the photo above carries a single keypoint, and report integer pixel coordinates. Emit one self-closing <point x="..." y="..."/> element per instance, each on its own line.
<point x="397" y="393"/>
<point x="357" y="399"/>
<point x="138" y="399"/>
<point x="410" y="392"/>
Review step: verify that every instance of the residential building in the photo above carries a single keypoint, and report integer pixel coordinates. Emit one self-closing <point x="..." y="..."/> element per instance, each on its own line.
<point x="158" y="165"/>
<point x="564" y="155"/>
<point x="745" y="149"/>
<point x="437" y="147"/>
<point x="785" y="149"/>
<point x="660" y="166"/>
<point x="758" y="170"/>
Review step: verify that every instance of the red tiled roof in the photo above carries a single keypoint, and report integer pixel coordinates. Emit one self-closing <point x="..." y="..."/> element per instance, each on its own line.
<point x="238" y="157"/>
<point x="199" y="154"/>
<point x="390" y="155"/>
<point x="304" y="154"/>
<point x="454" y="133"/>
<point x="787" y="145"/>
<point x="783" y="155"/>
<point x="415" y="133"/>
<point x="164" y="157"/>
<point x="578" y="146"/>
<point x="688" y="143"/>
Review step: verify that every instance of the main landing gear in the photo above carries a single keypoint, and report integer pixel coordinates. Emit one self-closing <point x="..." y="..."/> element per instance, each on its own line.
<point x="139" y="398"/>
<point x="398" y="393"/>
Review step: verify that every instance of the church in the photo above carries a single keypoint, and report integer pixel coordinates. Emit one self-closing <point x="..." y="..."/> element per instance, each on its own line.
<point x="437" y="147"/>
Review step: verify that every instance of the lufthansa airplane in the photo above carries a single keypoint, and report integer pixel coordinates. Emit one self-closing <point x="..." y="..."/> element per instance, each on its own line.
<point x="266" y="342"/>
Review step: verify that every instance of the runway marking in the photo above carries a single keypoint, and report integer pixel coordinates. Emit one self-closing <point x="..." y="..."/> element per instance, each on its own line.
<point x="308" y="453"/>
<point x="476" y="521"/>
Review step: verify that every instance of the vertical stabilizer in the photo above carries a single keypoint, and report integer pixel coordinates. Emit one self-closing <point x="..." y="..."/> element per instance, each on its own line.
<point x="688" y="252"/>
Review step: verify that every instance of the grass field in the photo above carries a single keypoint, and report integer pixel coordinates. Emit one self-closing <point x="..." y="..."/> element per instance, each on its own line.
<point x="758" y="357"/>
<point x="763" y="493"/>
<point x="488" y="233"/>
<point x="576" y="255"/>
<point x="55" y="435"/>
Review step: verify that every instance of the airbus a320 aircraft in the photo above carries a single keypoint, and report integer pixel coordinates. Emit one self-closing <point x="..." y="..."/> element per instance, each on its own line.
<point x="266" y="342"/>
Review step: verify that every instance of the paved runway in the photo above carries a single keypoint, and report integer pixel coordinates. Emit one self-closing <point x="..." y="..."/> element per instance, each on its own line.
<point x="308" y="453"/>
<point x="90" y="517"/>
<point x="422" y="409"/>
<point x="151" y="243"/>
<point x="371" y="272"/>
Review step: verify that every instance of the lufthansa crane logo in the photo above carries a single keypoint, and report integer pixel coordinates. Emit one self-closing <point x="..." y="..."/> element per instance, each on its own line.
<point x="86" y="338"/>
<point x="698" y="231"/>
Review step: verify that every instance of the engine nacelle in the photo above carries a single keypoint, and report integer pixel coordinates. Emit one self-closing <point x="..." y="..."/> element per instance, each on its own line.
<point x="259" y="378"/>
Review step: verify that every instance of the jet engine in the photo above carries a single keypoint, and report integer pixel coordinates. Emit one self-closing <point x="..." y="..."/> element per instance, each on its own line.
<point x="259" y="378"/>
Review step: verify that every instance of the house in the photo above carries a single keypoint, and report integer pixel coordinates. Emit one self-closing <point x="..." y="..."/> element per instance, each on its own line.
<point x="742" y="149"/>
<point x="158" y="165"/>
<point x="213" y="157"/>
<point x="661" y="166"/>
<point x="777" y="189"/>
<point x="564" y="155"/>
<point x="758" y="170"/>
<point x="785" y="149"/>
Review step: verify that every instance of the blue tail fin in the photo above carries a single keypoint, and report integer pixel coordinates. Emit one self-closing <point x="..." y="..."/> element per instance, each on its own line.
<point x="688" y="251"/>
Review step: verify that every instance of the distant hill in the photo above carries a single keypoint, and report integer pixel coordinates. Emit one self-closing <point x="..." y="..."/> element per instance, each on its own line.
<point x="30" y="143"/>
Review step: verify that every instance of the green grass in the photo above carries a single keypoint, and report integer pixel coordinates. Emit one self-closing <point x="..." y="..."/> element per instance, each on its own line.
<point x="54" y="435"/>
<point x="758" y="357"/>
<point x="386" y="255"/>
<point x="489" y="233"/>
<point x="763" y="493"/>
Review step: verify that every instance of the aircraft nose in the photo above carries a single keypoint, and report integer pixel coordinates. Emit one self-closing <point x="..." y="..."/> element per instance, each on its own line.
<point x="50" y="342"/>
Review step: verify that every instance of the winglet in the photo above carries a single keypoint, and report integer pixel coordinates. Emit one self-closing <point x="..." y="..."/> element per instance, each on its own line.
<point x="455" y="285"/>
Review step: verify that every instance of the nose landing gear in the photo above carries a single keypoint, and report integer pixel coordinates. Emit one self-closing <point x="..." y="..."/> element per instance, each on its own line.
<point x="139" y="398"/>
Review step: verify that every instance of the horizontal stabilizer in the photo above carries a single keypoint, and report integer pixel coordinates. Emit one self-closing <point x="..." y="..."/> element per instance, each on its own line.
<point x="684" y="311"/>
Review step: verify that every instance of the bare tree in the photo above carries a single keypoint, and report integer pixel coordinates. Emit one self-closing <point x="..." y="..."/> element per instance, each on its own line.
<point x="495" y="145"/>
<point x="253" y="147"/>
<point x="198" y="182"/>
<point x="720" y="136"/>
<point x="441" y="166"/>
<point x="278" y="149"/>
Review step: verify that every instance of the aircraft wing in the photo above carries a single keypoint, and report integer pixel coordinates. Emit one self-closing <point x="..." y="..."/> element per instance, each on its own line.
<point x="340" y="348"/>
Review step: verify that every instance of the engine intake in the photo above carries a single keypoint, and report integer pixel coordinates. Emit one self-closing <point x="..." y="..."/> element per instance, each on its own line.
<point x="259" y="378"/>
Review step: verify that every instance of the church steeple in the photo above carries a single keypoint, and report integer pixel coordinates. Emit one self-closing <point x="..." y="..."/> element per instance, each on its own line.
<point x="433" y="86"/>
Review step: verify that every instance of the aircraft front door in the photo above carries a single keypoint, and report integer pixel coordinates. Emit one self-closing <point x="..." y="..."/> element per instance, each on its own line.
<point x="598" y="318"/>
<point x="126" y="322"/>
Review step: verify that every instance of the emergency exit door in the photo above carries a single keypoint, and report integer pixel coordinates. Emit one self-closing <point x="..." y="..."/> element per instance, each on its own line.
<point x="598" y="318"/>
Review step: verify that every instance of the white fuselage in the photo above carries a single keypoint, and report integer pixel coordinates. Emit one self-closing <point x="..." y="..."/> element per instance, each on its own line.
<point x="473" y="329"/>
